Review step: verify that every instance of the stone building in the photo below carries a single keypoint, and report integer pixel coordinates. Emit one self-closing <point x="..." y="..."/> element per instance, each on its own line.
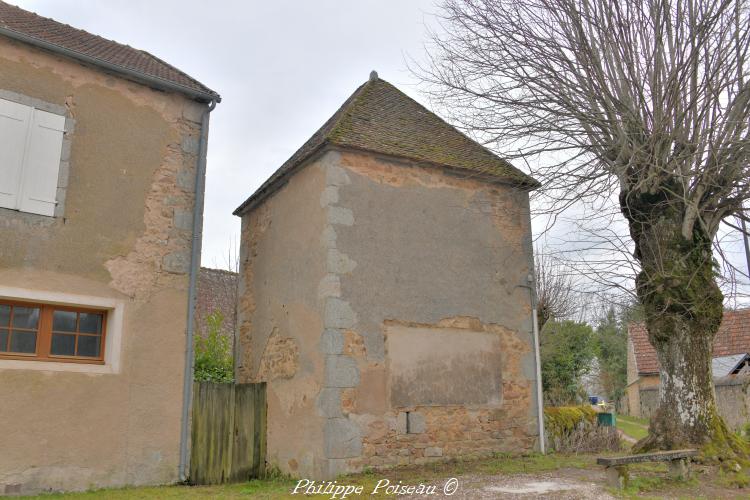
<point x="384" y="296"/>
<point x="102" y="157"/>
<point x="730" y="358"/>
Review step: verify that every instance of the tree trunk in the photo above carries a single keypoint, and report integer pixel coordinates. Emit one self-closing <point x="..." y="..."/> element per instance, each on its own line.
<point x="683" y="308"/>
<point x="687" y="407"/>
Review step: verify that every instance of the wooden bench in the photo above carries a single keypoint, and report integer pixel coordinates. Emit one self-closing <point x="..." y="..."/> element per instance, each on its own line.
<point x="617" y="467"/>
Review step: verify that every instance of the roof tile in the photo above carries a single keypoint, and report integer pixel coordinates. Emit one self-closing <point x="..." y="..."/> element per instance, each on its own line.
<point x="50" y="31"/>
<point x="733" y="337"/>
<point x="379" y="118"/>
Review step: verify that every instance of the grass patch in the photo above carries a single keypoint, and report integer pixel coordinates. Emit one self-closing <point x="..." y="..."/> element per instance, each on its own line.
<point x="261" y="489"/>
<point x="634" y="420"/>
<point x="277" y="486"/>
<point x="653" y="484"/>
<point x="637" y="428"/>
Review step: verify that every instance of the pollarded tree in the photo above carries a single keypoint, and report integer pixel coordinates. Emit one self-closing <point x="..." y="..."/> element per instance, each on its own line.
<point x="647" y="101"/>
<point x="555" y="297"/>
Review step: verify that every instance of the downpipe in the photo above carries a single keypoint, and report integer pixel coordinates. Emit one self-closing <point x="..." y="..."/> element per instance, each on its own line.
<point x="537" y="362"/>
<point x="195" y="260"/>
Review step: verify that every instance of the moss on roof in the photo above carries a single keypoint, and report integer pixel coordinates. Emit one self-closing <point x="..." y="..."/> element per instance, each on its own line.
<point x="379" y="118"/>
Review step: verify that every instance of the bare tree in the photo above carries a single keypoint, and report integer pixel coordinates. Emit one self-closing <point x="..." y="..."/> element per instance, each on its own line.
<point x="554" y="289"/>
<point x="643" y="101"/>
<point x="231" y="260"/>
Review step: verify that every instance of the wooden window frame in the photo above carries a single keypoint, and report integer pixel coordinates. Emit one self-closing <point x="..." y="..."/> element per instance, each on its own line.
<point x="44" y="334"/>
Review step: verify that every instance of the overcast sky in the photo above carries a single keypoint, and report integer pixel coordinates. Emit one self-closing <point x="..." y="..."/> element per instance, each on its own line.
<point x="282" y="68"/>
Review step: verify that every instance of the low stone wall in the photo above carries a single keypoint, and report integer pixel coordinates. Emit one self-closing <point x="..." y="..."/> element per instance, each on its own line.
<point x="649" y="401"/>
<point x="441" y="433"/>
<point x="732" y="398"/>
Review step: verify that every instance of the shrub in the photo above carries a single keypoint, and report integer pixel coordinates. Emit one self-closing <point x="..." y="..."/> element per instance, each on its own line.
<point x="213" y="353"/>
<point x="574" y="429"/>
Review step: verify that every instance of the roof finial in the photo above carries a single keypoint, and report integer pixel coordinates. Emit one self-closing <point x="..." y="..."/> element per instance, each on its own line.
<point x="373" y="75"/>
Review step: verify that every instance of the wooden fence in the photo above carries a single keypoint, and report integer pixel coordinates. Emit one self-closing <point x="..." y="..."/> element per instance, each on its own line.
<point x="228" y="432"/>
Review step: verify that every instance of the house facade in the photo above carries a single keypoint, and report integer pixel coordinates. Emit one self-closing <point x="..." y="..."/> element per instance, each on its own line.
<point x="729" y="365"/>
<point x="384" y="295"/>
<point x="102" y="152"/>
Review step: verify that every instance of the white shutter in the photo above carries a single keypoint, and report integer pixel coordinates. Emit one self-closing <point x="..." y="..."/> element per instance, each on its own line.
<point x="14" y="126"/>
<point x="41" y="165"/>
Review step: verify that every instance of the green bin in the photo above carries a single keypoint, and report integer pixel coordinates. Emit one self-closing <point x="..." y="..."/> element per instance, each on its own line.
<point x="606" y="419"/>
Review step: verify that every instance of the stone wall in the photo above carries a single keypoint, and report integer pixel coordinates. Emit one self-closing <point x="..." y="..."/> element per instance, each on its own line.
<point x="732" y="399"/>
<point x="648" y="400"/>
<point x="384" y="303"/>
<point x="217" y="292"/>
<point x="280" y="318"/>
<point x="123" y="238"/>
<point x="436" y="259"/>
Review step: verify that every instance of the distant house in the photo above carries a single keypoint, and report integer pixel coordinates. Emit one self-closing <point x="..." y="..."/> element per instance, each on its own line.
<point x="217" y="293"/>
<point x="102" y="156"/>
<point x="384" y="294"/>
<point x="731" y="358"/>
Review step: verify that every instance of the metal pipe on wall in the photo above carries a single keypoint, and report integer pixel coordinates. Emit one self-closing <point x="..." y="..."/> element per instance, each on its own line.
<point x="195" y="261"/>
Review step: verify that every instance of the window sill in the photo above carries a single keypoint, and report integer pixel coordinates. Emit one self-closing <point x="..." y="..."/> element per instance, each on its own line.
<point x="54" y="366"/>
<point x="56" y="359"/>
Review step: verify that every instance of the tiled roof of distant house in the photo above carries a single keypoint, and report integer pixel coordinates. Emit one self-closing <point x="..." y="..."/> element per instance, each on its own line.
<point x="733" y="337"/>
<point x="380" y="118"/>
<point x="50" y="34"/>
<point x="217" y="292"/>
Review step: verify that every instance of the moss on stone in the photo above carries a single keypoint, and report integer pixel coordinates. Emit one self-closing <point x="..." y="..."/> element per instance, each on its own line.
<point x="560" y="421"/>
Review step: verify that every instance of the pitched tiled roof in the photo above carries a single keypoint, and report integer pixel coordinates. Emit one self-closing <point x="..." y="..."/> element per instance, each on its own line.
<point x="40" y="30"/>
<point x="217" y="292"/>
<point x="379" y="118"/>
<point x="733" y="337"/>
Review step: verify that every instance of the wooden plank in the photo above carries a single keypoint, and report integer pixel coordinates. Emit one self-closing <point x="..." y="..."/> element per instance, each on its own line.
<point x="212" y="428"/>
<point x="659" y="456"/>
<point x="259" y="432"/>
<point x="228" y="432"/>
<point x="244" y="426"/>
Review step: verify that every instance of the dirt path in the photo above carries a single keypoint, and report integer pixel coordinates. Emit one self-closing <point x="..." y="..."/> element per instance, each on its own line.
<point x="626" y="438"/>
<point x="563" y="484"/>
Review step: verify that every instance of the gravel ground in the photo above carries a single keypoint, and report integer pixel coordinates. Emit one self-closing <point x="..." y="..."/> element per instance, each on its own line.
<point x="563" y="484"/>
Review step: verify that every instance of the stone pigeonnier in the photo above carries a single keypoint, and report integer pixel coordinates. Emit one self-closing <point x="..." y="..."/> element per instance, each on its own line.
<point x="383" y="294"/>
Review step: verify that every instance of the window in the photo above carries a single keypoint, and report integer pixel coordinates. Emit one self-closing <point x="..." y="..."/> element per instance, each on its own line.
<point x="29" y="157"/>
<point x="51" y="333"/>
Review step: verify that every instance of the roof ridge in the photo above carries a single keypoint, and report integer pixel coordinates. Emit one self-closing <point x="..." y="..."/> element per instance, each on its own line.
<point x="220" y="271"/>
<point x="137" y="64"/>
<point x="379" y="118"/>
